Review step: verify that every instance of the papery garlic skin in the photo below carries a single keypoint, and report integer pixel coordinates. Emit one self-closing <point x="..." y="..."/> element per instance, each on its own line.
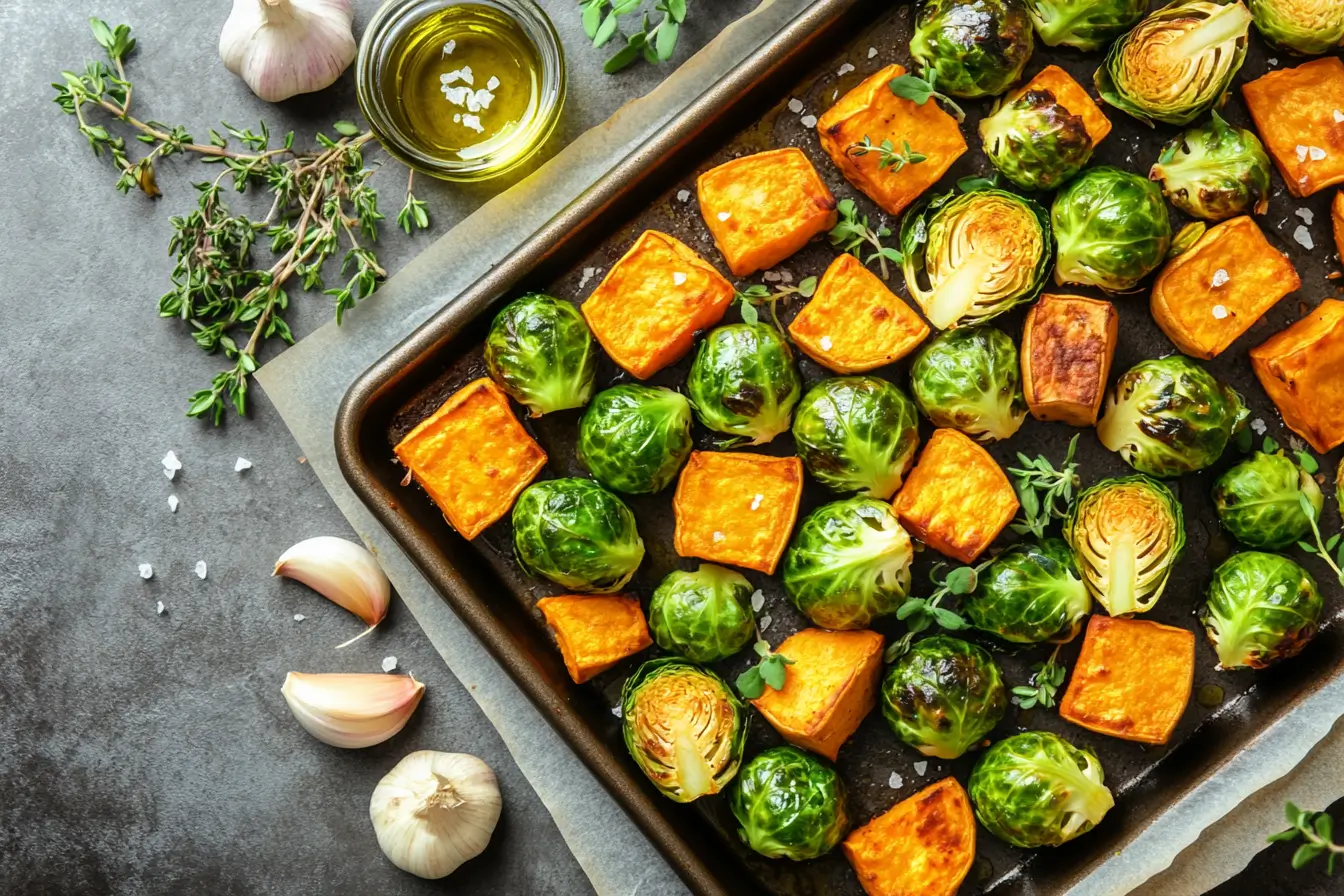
<point x="352" y="710"/>
<point x="434" y="811"/>
<point x="341" y="571"/>
<point x="281" y="48"/>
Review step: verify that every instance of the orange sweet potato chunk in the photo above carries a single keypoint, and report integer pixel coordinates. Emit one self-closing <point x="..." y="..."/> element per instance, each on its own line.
<point x="595" y="632"/>
<point x="1337" y="222"/>
<point x="957" y="500"/>
<point x="1207" y="296"/>
<point x="762" y="208"/>
<point x="828" y="690"/>
<point x="1068" y="343"/>
<point x="737" y="508"/>
<point x="854" y="323"/>
<point x="1302" y="369"/>
<point x="1132" y="679"/>
<point x="472" y="456"/>
<point x="922" y="846"/>
<point x="1072" y="96"/>
<point x="647" y="309"/>
<point x="871" y="110"/>
<point x="1299" y="113"/>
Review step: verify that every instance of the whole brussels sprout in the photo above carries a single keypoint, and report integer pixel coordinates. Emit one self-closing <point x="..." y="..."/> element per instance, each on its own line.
<point x="1178" y="63"/>
<point x="684" y="728"/>
<point x="1309" y="27"/>
<point x="1085" y="24"/>
<point x="857" y="434"/>
<point x="703" y="615"/>
<point x="1036" y="142"/>
<point x="577" y="534"/>
<point x="971" y="48"/>
<point x="971" y="256"/>
<point x="848" y="564"/>
<point x="1259" y="501"/>
<point x="970" y="379"/>
<point x="635" y="438"/>
<point x="540" y="351"/>
<point x="1111" y="228"/>
<point x="789" y="804"/>
<point x="1127" y="534"/>
<point x="1214" y="171"/>
<point x="1261" y="608"/>
<point x="1168" y="416"/>
<point x="943" y="696"/>
<point x="743" y="382"/>
<point x="1030" y="593"/>
<point x="1037" y="789"/>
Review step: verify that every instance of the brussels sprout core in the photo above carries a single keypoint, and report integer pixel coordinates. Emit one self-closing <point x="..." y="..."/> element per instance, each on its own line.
<point x="1259" y="501"/>
<point x="703" y="615"/>
<point x="1035" y="142"/>
<point x="857" y="434"/>
<point x="635" y="438"/>
<point x="577" y="534"/>
<point x="743" y="382"/>
<point x="972" y="48"/>
<point x="1309" y="27"/>
<point x="1111" y="228"/>
<point x="539" y="350"/>
<point x="970" y="379"/>
<point x="1085" y="24"/>
<point x="1030" y="593"/>
<point x="1215" y="171"/>
<point x="1261" y="608"/>
<point x="943" y="696"/>
<point x="789" y="804"/>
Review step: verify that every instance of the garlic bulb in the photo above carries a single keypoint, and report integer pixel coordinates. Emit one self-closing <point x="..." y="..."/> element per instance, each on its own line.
<point x="343" y="572"/>
<point x="434" y="811"/>
<point x="286" y="47"/>
<point x="352" y="710"/>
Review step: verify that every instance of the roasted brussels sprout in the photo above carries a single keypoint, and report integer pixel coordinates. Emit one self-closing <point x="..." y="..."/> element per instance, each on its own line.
<point x="1261" y="608"/>
<point x="577" y="534"/>
<point x="848" y="564"/>
<point x="971" y="256"/>
<point x="539" y="350"/>
<point x="1309" y="27"/>
<point x="972" y="48"/>
<point x="743" y="382"/>
<point x="1259" y="501"/>
<point x="703" y="615"/>
<point x="1029" y="594"/>
<point x="1169" y="416"/>
<point x="1085" y="24"/>
<point x="1127" y="534"/>
<point x="635" y="438"/>
<point x="683" y="726"/>
<point x="1178" y="62"/>
<point x="789" y="804"/>
<point x="969" y="379"/>
<point x="857" y="434"/>
<point x="1037" y="789"/>
<point x="1035" y="141"/>
<point x="1214" y="171"/>
<point x="943" y="696"/>
<point x="1111" y="228"/>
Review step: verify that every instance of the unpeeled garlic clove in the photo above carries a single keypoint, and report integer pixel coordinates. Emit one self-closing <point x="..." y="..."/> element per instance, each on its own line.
<point x="341" y="571"/>
<point x="352" y="710"/>
<point x="281" y="48"/>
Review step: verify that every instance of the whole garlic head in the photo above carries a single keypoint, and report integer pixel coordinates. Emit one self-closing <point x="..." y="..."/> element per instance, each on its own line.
<point x="281" y="48"/>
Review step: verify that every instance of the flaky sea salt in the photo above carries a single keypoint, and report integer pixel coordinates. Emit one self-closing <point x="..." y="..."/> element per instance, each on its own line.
<point x="844" y="70"/>
<point x="146" y="571"/>
<point x="618" y="712"/>
<point x="200" y="569"/>
<point x="449" y="47"/>
<point x="683" y="195"/>
<point x="389" y="663"/>
<point x="241" y="464"/>
<point x="1219" y="277"/>
<point x="473" y="122"/>
<point x="872" y="51"/>
<point x="462" y="74"/>
<point x="718" y="537"/>
<point x="1306" y="214"/>
<point x="1301" y="153"/>
<point x="809" y="121"/>
<point x="171" y="464"/>
<point x="756" y="502"/>
<point x="895" y="781"/>
<point x="826" y="343"/>
<point x="724" y="216"/>
<point x="1273" y="60"/>
<point x="921" y="768"/>
<point x="492" y="84"/>
<point x="1219" y="312"/>
<point x="795" y="105"/>
<point x="757" y="600"/>
<point x="587" y="275"/>
<point x="172" y="503"/>
<point x="299" y="617"/>
<point x="1303" y="236"/>
<point x="158" y="608"/>
<point x="765" y="621"/>
<point x="678" y="278"/>
<point x="1315" y="153"/>
<point x="771" y="276"/>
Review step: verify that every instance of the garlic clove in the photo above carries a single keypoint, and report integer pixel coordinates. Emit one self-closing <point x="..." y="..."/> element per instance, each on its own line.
<point x="343" y="572"/>
<point x="352" y="710"/>
<point x="281" y="48"/>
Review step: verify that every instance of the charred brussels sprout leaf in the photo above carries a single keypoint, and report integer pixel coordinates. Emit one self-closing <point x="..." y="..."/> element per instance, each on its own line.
<point x="789" y="805"/>
<point x="1259" y="501"/>
<point x="1085" y="24"/>
<point x="540" y="351"/>
<point x="972" y="48"/>
<point x="1309" y="27"/>
<point x="1111" y="228"/>
<point x="1261" y="608"/>
<point x="703" y="615"/>
<point x="577" y="534"/>
<point x="1215" y="171"/>
<point x="857" y="434"/>
<point x="743" y="382"/>
<point x="970" y="379"/>
<point x="943" y="696"/>
<point x="1035" y="142"/>
<point x="635" y="438"/>
<point x="1030" y="593"/>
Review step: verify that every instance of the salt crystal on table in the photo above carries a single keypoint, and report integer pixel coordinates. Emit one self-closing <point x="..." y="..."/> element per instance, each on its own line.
<point x="241" y="464"/>
<point x="771" y="276"/>
<point x="921" y="768"/>
<point x="1219" y="277"/>
<point x="171" y="464"/>
<point x="1306" y="214"/>
<point x="389" y="663"/>
<point x="200" y="569"/>
<point x="809" y="121"/>
<point x="872" y="51"/>
<point x="757" y="600"/>
<point x="158" y="609"/>
<point x="765" y="622"/>
<point x="895" y="781"/>
<point x="617" y="712"/>
<point x="683" y="195"/>
<point x="795" y="105"/>
<point x="172" y="503"/>
<point x="1272" y="61"/>
<point x="146" y="571"/>
<point x="1258" y="426"/>
<point x="845" y="69"/>
<point x="1303" y="236"/>
<point x="587" y="275"/>
<point x="299" y="617"/>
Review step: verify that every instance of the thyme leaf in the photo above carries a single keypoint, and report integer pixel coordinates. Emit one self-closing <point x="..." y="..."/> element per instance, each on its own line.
<point x="852" y="234"/>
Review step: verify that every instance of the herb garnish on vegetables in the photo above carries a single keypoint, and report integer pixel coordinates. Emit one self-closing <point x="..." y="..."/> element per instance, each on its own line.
<point x="918" y="613"/>
<point x="888" y="155"/>
<point x="1045" y="680"/>
<point x="756" y="295"/>
<point x="852" y="232"/>
<point x="768" y="672"/>
<point x="919" y="91"/>
<point x="1044" y="492"/>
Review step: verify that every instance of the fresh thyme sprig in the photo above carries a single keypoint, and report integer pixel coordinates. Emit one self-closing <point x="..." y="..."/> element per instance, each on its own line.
<point x="973" y="182"/>
<point x="1044" y="684"/>
<point x="1044" y="492"/>
<point x="919" y="91"/>
<point x="852" y="234"/>
<point x="1325" y="549"/>
<point x="1317" y="832"/>
<point x="601" y="20"/>
<point x="919" y="613"/>
<point x="887" y="154"/>
<point x="768" y="671"/>
<point x="753" y="297"/>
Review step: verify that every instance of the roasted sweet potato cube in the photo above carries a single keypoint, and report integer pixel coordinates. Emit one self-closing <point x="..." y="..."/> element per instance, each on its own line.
<point x="647" y="309"/>
<point x="1299" y="113"/>
<point x="1337" y="222"/>
<point x="1207" y="296"/>
<point x="595" y="632"/>
<point x="871" y="110"/>
<point x="1072" y="96"/>
<point x="1302" y="369"/>
<point x="1068" y="343"/>
<point x="737" y="508"/>
<point x="922" y="846"/>
<point x="830" y="687"/>
<point x="763" y="208"/>
<point x="957" y="500"/>
<point x="472" y="456"/>
<point x="1132" y="679"/>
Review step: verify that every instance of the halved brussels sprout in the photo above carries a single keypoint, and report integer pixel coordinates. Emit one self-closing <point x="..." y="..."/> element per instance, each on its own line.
<point x="971" y="48"/>
<point x="1037" y="789"/>
<point x="577" y="534"/>
<point x="970" y="379"/>
<point x="540" y="351"/>
<point x="1214" y="171"/>
<point x="1309" y="27"/>
<point x="1178" y="63"/>
<point x="943" y="696"/>
<point x="1261" y="608"/>
<point x="848" y="564"/>
<point x="972" y="256"/>
<point x="703" y="615"/>
<point x="1259" y="501"/>
<point x="684" y="728"/>
<point x="635" y="438"/>
<point x="743" y="382"/>
<point x="789" y="805"/>
<point x="1111" y="228"/>
<point x="1035" y="141"/>
<point x="1168" y="416"/>
<point x="1085" y="24"/>
<point x="1030" y="593"/>
<point x="1127" y="534"/>
<point x="857" y="434"/>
